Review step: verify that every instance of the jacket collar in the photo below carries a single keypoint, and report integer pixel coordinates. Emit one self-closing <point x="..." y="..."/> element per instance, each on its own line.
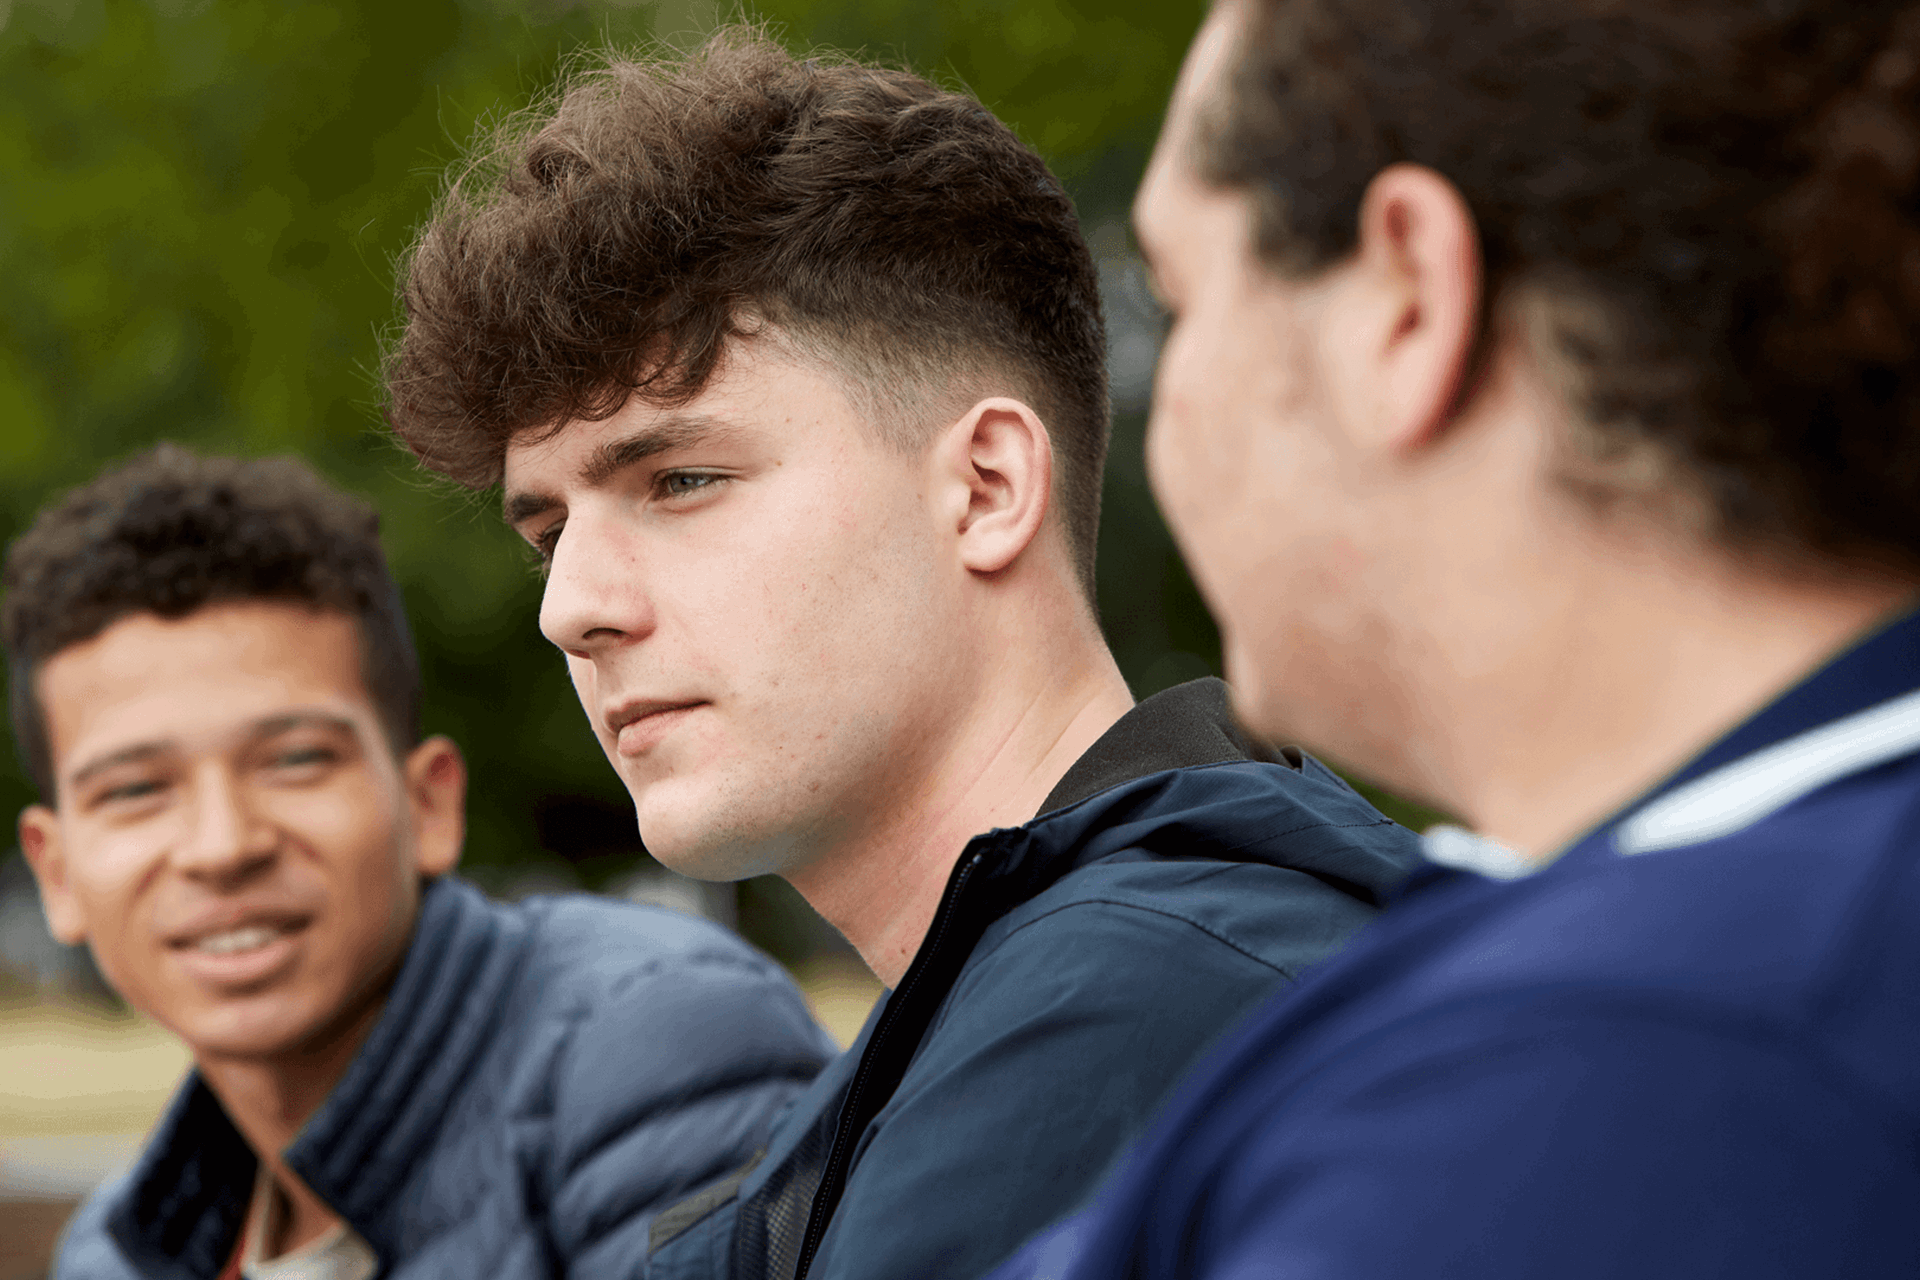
<point x="183" y="1203"/>
<point x="1856" y="711"/>
<point x="1150" y="787"/>
<point x="1186" y="725"/>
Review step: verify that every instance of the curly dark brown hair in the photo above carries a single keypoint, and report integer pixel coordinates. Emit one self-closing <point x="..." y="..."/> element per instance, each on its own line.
<point x="169" y="532"/>
<point x="613" y="244"/>
<point x="1709" y="208"/>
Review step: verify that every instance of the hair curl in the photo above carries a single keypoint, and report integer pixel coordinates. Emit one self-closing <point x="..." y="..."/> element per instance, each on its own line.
<point x="1709" y="207"/>
<point x="170" y="532"/>
<point x="612" y="245"/>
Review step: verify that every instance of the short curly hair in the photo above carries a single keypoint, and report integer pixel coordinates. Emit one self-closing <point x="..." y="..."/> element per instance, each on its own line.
<point x="170" y="532"/>
<point x="613" y="244"/>
<point x="1707" y="210"/>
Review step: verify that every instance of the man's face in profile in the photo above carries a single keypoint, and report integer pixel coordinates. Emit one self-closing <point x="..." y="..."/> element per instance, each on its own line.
<point x="750" y="593"/>
<point x="1237" y="449"/>
<point x="234" y="837"/>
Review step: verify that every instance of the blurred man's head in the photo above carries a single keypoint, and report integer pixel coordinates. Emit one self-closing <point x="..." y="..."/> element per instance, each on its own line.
<point x="213" y="686"/>
<point x="794" y="373"/>
<point x="1465" y="292"/>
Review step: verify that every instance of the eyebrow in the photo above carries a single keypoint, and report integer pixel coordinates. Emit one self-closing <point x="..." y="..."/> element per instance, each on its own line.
<point x="676" y="431"/>
<point x="265" y="727"/>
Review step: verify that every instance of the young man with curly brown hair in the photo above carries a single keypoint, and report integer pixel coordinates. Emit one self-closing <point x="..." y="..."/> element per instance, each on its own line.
<point x="213" y="685"/>
<point x="1543" y="378"/>
<point x="794" y="374"/>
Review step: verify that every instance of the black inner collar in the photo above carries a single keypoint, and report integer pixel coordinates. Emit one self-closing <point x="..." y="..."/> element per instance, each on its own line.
<point x="1186" y="725"/>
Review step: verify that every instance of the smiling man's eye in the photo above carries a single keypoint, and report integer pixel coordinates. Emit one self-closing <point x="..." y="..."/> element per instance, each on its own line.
<point x="303" y="757"/>
<point x="126" y="791"/>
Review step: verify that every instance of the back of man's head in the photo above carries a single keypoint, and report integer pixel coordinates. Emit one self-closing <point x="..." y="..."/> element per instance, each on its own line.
<point x="169" y="532"/>
<point x="1709" y="206"/>
<point x="613" y="244"/>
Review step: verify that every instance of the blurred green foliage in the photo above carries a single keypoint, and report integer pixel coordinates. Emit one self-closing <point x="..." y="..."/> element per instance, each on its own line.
<point x="200" y="208"/>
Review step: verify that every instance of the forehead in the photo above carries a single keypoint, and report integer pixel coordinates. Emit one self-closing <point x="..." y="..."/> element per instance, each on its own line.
<point x="1172" y="180"/>
<point x="763" y="389"/>
<point x="199" y="677"/>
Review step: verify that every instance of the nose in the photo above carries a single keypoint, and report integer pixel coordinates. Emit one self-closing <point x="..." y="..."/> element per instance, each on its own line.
<point x="226" y="838"/>
<point x="596" y="595"/>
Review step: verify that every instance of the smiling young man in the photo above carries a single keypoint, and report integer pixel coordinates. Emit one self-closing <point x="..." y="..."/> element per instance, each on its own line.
<point x="794" y="373"/>
<point x="1543" y="379"/>
<point x="214" y="688"/>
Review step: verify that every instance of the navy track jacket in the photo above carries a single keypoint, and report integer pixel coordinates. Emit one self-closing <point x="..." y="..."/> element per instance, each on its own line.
<point x="1075" y="966"/>
<point x="542" y="1078"/>
<point x="1690" y="1047"/>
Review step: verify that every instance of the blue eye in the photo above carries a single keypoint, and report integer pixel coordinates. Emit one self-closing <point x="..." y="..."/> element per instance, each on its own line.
<point x="679" y="484"/>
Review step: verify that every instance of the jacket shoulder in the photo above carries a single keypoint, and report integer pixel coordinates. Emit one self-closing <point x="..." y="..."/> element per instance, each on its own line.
<point x="87" y="1250"/>
<point x="685" y="1007"/>
<point x="676" y="1046"/>
<point x="596" y="940"/>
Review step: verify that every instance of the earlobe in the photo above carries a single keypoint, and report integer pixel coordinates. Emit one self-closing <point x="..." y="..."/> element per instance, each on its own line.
<point x="46" y="855"/>
<point x="1003" y="457"/>
<point x="436" y="780"/>
<point x="1419" y="243"/>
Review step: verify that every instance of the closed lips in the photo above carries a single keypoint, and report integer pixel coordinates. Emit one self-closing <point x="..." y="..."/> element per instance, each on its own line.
<point x="629" y="713"/>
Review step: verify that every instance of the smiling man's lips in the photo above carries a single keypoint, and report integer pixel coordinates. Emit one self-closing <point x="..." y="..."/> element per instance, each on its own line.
<point x="227" y="932"/>
<point x="246" y="938"/>
<point x="243" y="956"/>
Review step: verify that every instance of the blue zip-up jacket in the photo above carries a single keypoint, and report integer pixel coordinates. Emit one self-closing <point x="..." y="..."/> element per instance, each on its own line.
<point x="1690" y="1047"/>
<point x="1074" y="967"/>
<point x="543" y="1077"/>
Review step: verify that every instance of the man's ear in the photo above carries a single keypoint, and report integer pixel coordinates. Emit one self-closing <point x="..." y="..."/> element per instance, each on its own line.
<point x="1000" y="459"/>
<point x="436" y="782"/>
<point x="1412" y="315"/>
<point x="47" y="856"/>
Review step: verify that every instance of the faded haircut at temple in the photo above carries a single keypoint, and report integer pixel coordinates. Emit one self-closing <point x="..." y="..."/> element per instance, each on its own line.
<point x="793" y="372"/>
<point x="214" y="686"/>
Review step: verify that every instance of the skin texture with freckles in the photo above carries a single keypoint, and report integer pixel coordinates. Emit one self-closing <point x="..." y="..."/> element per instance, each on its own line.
<point x="810" y="652"/>
<point x="792" y="545"/>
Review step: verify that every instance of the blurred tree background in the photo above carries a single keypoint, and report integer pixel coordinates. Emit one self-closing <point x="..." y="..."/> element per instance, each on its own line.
<point x="200" y="208"/>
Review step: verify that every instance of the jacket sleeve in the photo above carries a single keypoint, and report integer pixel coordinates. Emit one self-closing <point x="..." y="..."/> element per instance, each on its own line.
<point x="1055" y="1049"/>
<point x="670" y="1082"/>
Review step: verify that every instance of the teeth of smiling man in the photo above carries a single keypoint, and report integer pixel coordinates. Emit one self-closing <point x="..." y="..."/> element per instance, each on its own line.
<point x="247" y="938"/>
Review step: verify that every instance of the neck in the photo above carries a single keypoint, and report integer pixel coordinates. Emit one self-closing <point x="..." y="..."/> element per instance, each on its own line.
<point x="269" y="1100"/>
<point x="1017" y="741"/>
<point x="1629" y="667"/>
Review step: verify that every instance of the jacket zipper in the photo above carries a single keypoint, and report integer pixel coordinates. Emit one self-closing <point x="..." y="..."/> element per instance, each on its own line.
<point x="826" y="1197"/>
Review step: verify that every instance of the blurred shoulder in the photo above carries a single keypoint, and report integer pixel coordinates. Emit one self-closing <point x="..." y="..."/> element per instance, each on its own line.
<point x="610" y="939"/>
<point x="87" y="1250"/>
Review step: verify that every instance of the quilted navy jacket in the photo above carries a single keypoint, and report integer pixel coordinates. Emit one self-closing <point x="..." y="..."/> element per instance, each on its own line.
<point x="544" y="1076"/>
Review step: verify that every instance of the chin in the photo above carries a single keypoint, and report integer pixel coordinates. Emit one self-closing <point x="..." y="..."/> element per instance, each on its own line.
<point x="248" y="1033"/>
<point x="704" y="841"/>
<point x="687" y="846"/>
